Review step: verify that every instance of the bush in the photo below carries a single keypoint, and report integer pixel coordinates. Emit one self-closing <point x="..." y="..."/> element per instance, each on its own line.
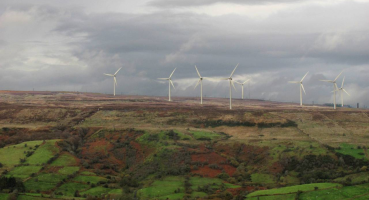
<point x="12" y="184"/>
<point x="215" y="166"/>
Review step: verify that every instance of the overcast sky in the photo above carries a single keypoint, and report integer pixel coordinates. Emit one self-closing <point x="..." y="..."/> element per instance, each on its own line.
<point x="68" y="45"/>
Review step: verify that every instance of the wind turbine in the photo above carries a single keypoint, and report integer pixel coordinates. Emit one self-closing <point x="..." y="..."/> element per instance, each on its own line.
<point x="170" y="82"/>
<point x="115" y="79"/>
<point x="230" y="86"/>
<point x="342" y="90"/>
<point x="301" y="87"/>
<point x="199" y="82"/>
<point x="242" y="85"/>
<point x="334" y="88"/>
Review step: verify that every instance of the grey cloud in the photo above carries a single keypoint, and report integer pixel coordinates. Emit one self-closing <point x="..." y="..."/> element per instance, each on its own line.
<point x="194" y="3"/>
<point x="149" y="46"/>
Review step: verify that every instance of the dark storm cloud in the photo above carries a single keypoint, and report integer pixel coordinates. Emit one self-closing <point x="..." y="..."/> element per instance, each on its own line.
<point x="193" y="3"/>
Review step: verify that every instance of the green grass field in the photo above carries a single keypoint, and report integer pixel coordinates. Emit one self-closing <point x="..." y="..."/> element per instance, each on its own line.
<point x="65" y="160"/>
<point x="215" y="182"/>
<point x="89" y="179"/>
<point x="96" y="191"/>
<point x="162" y="188"/>
<point x="24" y="172"/>
<point x="294" y="189"/>
<point x="203" y="135"/>
<point x="115" y="191"/>
<point x="262" y="178"/>
<point x="198" y="194"/>
<point x="43" y="153"/>
<point x="172" y="196"/>
<point x="163" y="135"/>
<point x="355" y="178"/>
<point x="11" y="155"/>
<point x="33" y="185"/>
<point x="69" y="189"/>
<point x="4" y="196"/>
<point x="68" y="170"/>
<point x="352" y="150"/>
<point x="88" y="173"/>
<point x="349" y="192"/>
<point x="276" y="197"/>
<point x="51" y="178"/>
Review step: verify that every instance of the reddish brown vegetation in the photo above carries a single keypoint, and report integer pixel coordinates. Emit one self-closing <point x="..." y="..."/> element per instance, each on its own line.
<point x="276" y="168"/>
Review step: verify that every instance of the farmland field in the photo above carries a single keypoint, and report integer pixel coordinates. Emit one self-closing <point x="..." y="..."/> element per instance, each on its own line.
<point x="94" y="146"/>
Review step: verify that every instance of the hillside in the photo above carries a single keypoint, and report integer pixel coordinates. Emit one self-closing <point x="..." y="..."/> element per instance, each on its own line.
<point x="60" y="145"/>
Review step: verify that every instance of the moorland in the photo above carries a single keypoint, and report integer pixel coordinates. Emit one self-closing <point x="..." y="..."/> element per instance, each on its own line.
<point x="64" y="145"/>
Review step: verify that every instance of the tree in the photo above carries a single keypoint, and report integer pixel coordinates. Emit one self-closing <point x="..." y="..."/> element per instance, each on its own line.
<point x="76" y="194"/>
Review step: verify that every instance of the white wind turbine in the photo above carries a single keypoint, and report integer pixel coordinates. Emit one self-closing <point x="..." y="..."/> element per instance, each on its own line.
<point x="170" y="82"/>
<point x="301" y="87"/>
<point x="115" y="79"/>
<point x="334" y="88"/>
<point x="242" y="85"/>
<point x="230" y="86"/>
<point x="342" y="90"/>
<point x="199" y="82"/>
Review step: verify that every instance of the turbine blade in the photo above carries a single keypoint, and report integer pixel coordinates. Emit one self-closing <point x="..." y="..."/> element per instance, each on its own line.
<point x="198" y="71"/>
<point x="233" y="71"/>
<point x="246" y="81"/>
<point x="117" y="71"/>
<point x="214" y="79"/>
<point x="172" y="83"/>
<point x="238" y="82"/>
<point x="198" y="82"/>
<point x="338" y="76"/>
<point x="163" y="78"/>
<point x="109" y="74"/>
<point x="343" y="82"/>
<point x="293" y="82"/>
<point x="303" y="88"/>
<point x="172" y="73"/>
<point x="233" y="85"/>
<point x="346" y="92"/>
<point x="304" y="76"/>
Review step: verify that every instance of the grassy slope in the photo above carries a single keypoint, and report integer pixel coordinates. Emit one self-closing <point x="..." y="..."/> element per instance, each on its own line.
<point x="348" y="192"/>
<point x="24" y="172"/>
<point x="68" y="189"/>
<point x="65" y="159"/>
<point x="68" y="170"/>
<point x="11" y="155"/>
<point x="294" y="189"/>
<point x="352" y="150"/>
<point x="43" y="153"/>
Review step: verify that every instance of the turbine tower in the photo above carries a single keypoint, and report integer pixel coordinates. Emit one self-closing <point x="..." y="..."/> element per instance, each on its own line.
<point x="230" y="86"/>
<point x="301" y="87"/>
<point x="342" y="90"/>
<point x="334" y="88"/>
<point x="170" y="82"/>
<point x="242" y="85"/>
<point x="115" y="79"/>
<point x="199" y="82"/>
